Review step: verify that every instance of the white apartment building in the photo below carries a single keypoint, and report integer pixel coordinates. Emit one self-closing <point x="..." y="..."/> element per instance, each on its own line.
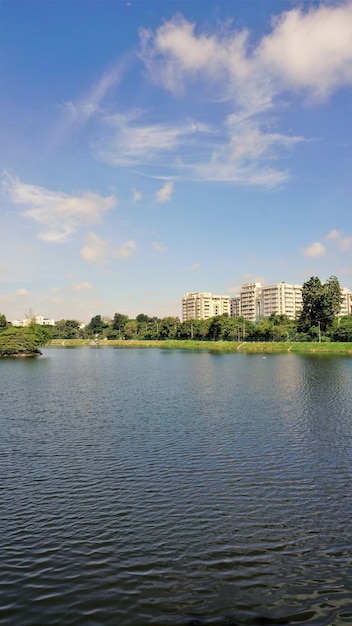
<point x="282" y="299"/>
<point x="255" y="301"/>
<point x="203" y="305"/>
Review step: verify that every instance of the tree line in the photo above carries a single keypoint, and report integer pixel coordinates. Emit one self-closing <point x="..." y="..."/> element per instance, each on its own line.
<point x="317" y="321"/>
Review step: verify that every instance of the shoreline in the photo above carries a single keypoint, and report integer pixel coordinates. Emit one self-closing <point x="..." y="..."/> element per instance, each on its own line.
<point x="213" y="346"/>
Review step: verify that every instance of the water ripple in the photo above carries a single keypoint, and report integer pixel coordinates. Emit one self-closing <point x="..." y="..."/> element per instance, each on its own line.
<point x="149" y="487"/>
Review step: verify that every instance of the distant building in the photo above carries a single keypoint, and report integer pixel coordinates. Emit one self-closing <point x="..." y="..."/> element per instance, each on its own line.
<point x="346" y="306"/>
<point x="203" y="305"/>
<point x="282" y="299"/>
<point x="38" y="319"/>
<point x="255" y="301"/>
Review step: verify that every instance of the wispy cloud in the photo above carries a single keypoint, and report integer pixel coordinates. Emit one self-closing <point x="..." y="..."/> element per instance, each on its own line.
<point x="22" y="292"/>
<point x="83" y="286"/>
<point x="332" y="235"/>
<point x="99" y="250"/>
<point x="136" y="195"/>
<point x="195" y="267"/>
<point x="58" y="214"/>
<point x="342" y="241"/>
<point x="92" y="103"/>
<point x="159" y="247"/>
<point x="164" y="193"/>
<point x="345" y="243"/>
<point x="126" y="250"/>
<point x="128" y="140"/>
<point x="307" y="52"/>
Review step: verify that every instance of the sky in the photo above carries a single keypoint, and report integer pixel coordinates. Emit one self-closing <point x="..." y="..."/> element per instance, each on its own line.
<point x="152" y="148"/>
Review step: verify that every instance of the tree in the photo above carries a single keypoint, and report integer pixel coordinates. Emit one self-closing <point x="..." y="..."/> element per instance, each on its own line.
<point x="119" y="322"/>
<point x="42" y="334"/>
<point x="66" y="329"/>
<point x="96" y="325"/>
<point x="333" y="299"/>
<point x="168" y="327"/>
<point x="3" y="322"/>
<point x="22" y="341"/>
<point x="344" y="330"/>
<point x="130" y="329"/>
<point x="142" y="318"/>
<point x="321" y="303"/>
<point x="221" y="327"/>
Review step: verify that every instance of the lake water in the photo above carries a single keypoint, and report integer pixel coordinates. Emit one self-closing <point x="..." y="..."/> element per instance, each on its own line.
<point x="175" y="488"/>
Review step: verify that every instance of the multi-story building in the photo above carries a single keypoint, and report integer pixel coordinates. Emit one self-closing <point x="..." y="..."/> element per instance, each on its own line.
<point x="255" y="300"/>
<point x="246" y="303"/>
<point x="282" y="299"/>
<point x="203" y="305"/>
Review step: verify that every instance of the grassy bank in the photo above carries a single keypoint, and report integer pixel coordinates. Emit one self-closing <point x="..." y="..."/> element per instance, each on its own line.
<point x="214" y="346"/>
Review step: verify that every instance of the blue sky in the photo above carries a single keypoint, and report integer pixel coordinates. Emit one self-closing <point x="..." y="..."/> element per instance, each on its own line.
<point x="155" y="147"/>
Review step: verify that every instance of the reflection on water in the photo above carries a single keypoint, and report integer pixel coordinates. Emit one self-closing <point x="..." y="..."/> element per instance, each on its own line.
<point x="155" y="487"/>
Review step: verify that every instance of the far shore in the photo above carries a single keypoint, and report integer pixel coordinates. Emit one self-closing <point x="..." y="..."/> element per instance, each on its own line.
<point x="214" y="346"/>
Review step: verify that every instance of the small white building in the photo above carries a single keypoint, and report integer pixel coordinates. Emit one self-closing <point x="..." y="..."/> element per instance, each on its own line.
<point x="37" y="319"/>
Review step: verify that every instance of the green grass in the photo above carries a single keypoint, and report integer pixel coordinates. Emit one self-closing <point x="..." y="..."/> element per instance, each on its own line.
<point x="215" y="346"/>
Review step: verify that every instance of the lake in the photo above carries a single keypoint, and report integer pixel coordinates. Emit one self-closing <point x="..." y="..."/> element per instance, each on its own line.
<point x="147" y="486"/>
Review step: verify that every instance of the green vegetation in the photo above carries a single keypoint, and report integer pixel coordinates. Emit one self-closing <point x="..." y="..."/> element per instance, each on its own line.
<point x="214" y="346"/>
<point x="22" y="341"/>
<point x="321" y="304"/>
<point x="318" y="328"/>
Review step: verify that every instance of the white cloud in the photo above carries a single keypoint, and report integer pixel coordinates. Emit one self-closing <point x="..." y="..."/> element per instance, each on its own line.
<point x="130" y="141"/>
<point x="136" y="195"/>
<point x="315" y="250"/>
<point x="245" y="157"/>
<point x="84" y="286"/>
<point x="91" y="103"/>
<point x="333" y="234"/>
<point x="345" y="243"/>
<point x="98" y="250"/>
<point x="176" y="53"/>
<point x="159" y="247"/>
<point x="310" y="50"/>
<point x="164" y="193"/>
<point x="125" y="251"/>
<point x="22" y="292"/>
<point x="195" y="267"/>
<point x="57" y="213"/>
